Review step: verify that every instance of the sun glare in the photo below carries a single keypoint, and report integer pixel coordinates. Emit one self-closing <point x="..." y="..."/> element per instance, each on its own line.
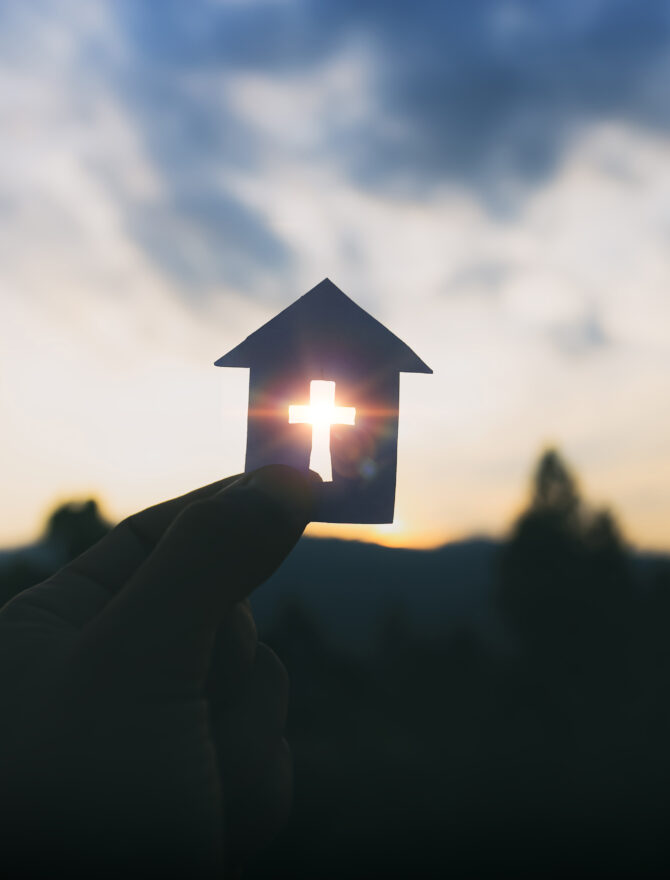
<point x="321" y="413"/>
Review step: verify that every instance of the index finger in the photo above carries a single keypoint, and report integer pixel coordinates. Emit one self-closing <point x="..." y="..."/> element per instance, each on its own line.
<point x="115" y="558"/>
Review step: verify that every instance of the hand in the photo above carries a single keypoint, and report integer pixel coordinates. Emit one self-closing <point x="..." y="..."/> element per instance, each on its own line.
<point x="142" y="722"/>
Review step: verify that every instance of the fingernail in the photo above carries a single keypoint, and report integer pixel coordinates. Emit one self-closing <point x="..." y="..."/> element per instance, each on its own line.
<point x="295" y="491"/>
<point x="287" y="487"/>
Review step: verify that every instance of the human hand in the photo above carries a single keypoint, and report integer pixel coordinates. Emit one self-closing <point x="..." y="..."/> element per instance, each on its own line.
<point x="141" y="720"/>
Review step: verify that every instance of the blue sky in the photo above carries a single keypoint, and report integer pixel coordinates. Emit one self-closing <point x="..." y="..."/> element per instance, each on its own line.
<point x="490" y="179"/>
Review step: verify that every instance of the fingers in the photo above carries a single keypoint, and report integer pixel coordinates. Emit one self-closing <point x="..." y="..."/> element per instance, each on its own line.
<point x="260" y="812"/>
<point x="256" y="775"/>
<point x="80" y="590"/>
<point x="114" y="559"/>
<point x="247" y="733"/>
<point x="159" y="630"/>
<point x="233" y="656"/>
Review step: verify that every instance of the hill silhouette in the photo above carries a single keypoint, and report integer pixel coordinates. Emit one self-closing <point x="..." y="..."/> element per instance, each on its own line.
<point x="485" y="708"/>
<point x="437" y="591"/>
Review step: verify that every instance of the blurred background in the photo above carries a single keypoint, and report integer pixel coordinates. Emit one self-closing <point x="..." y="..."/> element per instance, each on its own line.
<point x="486" y="680"/>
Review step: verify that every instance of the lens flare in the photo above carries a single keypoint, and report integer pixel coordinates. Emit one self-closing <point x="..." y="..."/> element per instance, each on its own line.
<point x="321" y="413"/>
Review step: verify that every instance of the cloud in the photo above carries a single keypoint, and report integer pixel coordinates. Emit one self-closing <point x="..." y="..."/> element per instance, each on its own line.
<point x="81" y="102"/>
<point x="490" y="180"/>
<point x="479" y="92"/>
<point x="481" y="277"/>
<point x="399" y="98"/>
<point x="491" y="90"/>
<point x="205" y="238"/>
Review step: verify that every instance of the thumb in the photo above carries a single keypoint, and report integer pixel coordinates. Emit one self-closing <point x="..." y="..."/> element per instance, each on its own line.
<point x="159" y="630"/>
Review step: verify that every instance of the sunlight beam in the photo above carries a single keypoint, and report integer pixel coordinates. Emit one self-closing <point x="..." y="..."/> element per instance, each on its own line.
<point x="321" y="413"/>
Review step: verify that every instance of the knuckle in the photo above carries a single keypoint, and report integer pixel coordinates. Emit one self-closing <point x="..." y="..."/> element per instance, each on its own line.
<point x="243" y="625"/>
<point x="203" y="517"/>
<point x="271" y="670"/>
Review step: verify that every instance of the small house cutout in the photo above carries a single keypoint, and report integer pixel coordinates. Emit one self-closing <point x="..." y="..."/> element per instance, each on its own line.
<point x="323" y="392"/>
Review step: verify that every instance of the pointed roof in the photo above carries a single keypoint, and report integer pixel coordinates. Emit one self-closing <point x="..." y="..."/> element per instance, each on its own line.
<point x="320" y="328"/>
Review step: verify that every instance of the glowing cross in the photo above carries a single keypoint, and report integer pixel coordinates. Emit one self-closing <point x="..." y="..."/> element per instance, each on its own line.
<point x="321" y="414"/>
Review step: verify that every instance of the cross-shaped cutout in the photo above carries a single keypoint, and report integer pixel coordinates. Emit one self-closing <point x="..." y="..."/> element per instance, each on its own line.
<point x="321" y="414"/>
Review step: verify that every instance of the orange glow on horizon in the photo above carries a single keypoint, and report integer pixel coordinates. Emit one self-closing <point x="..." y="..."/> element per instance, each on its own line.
<point x="395" y="534"/>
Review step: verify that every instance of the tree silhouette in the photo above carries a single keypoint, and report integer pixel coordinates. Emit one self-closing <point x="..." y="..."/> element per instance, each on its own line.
<point x="565" y="589"/>
<point x="555" y="491"/>
<point x="75" y="526"/>
<point x="443" y="751"/>
<point x="69" y="530"/>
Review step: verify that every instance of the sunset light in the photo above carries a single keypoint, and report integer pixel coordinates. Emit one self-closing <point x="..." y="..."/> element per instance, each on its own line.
<point x="335" y="438"/>
<point x="523" y="253"/>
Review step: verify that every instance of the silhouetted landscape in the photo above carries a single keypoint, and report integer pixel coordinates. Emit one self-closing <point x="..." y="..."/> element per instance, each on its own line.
<point x="483" y="708"/>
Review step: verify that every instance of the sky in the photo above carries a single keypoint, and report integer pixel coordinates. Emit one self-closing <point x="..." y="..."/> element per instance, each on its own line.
<point x="491" y="180"/>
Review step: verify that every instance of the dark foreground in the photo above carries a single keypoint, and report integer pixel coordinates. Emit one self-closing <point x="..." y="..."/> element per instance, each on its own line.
<point x="477" y="711"/>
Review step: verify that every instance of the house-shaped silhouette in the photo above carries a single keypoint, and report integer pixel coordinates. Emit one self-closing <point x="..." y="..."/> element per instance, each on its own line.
<point x="325" y="373"/>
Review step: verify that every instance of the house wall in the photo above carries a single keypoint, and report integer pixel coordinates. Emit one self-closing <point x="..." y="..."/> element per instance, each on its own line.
<point x="270" y="437"/>
<point x="363" y="456"/>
